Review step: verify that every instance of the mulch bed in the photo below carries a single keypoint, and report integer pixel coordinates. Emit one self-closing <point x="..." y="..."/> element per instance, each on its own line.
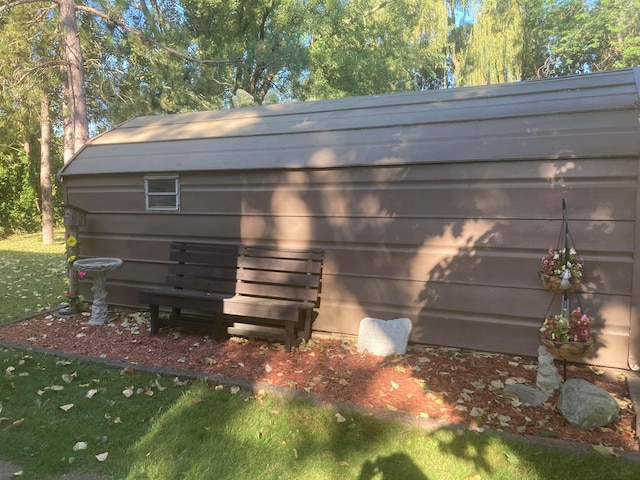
<point x="449" y="384"/>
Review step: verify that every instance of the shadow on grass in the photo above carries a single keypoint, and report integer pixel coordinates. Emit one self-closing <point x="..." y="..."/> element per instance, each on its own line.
<point x="204" y="431"/>
<point x="397" y="466"/>
<point x="214" y="434"/>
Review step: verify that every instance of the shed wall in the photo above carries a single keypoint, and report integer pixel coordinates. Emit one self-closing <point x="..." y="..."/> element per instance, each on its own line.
<point x="454" y="247"/>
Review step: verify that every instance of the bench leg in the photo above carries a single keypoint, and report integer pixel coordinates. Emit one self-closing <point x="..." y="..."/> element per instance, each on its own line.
<point x="154" y="313"/>
<point x="219" y="328"/>
<point x="289" y="336"/>
<point x="306" y="333"/>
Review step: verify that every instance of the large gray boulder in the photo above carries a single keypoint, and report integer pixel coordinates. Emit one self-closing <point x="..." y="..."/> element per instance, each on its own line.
<point x="584" y="405"/>
<point x="384" y="337"/>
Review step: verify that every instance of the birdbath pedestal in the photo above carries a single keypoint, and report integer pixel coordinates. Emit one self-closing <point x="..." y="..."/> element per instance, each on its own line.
<point x="99" y="268"/>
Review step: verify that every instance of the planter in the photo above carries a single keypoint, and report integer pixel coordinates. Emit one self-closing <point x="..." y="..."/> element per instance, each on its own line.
<point x="567" y="350"/>
<point x="552" y="283"/>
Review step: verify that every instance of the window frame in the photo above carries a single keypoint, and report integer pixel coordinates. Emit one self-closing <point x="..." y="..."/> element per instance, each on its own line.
<point x="150" y="194"/>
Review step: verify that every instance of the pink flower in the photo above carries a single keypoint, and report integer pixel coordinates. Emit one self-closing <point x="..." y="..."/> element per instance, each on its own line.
<point x="81" y="275"/>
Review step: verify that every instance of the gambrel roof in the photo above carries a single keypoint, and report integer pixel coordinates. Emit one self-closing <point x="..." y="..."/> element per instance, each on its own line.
<point x="593" y="115"/>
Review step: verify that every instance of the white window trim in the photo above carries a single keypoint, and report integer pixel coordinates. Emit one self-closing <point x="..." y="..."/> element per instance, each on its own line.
<point x="175" y="193"/>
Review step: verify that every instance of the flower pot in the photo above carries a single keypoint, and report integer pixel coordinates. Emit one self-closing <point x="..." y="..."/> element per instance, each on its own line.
<point x="567" y="350"/>
<point x="552" y="283"/>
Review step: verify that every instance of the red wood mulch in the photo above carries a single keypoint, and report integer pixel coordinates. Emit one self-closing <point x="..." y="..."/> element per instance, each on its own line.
<point x="448" y="384"/>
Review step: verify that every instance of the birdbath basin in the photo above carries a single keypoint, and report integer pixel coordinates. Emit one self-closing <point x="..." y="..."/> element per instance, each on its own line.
<point x="99" y="268"/>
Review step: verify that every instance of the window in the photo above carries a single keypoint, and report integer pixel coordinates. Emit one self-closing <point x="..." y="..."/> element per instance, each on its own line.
<point x="162" y="193"/>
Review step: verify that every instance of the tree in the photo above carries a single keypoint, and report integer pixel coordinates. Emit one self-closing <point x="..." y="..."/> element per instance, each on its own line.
<point x="265" y="40"/>
<point x="46" y="191"/>
<point x="22" y="94"/>
<point x="594" y="36"/>
<point x="361" y="47"/>
<point x="72" y="68"/>
<point x="493" y="49"/>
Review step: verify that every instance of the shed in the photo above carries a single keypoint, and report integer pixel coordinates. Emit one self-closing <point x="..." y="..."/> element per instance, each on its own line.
<point x="436" y="206"/>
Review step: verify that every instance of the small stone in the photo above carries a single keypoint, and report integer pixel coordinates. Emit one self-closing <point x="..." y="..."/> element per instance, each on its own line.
<point x="384" y="337"/>
<point x="547" y="378"/>
<point x="528" y="396"/>
<point x="585" y="405"/>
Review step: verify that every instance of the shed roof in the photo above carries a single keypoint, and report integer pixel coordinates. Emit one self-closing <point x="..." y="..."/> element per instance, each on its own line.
<point x="594" y="115"/>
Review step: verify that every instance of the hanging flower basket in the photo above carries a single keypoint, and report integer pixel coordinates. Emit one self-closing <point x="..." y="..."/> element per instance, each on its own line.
<point x="570" y="351"/>
<point x="567" y="338"/>
<point x="553" y="283"/>
<point x="561" y="273"/>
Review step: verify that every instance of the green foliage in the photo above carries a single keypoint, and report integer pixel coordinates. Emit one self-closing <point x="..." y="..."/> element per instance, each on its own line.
<point x="494" y="45"/>
<point x="263" y="42"/>
<point x="365" y="47"/>
<point x="592" y="36"/>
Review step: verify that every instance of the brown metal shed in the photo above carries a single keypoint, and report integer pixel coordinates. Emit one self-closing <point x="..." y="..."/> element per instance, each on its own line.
<point x="435" y="206"/>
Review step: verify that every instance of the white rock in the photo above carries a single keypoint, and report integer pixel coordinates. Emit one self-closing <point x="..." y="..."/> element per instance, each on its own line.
<point x="384" y="337"/>
<point x="548" y="379"/>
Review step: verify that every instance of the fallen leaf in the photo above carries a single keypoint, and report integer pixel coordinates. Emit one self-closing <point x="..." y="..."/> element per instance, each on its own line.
<point x="101" y="457"/>
<point x="511" y="458"/>
<point x="394" y="385"/>
<point x="66" y="407"/>
<point x="234" y="390"/>
<point x="68" y="377"/>
<point x="127" y="392"/>
<point x="603" y="450"/>
<point x="392" y="408"/>
<point x="340" y="418"/>
<point x="91" y="393"/>
<point x="267" y="368"/>
<point x="476" y="412"/>
<point x="80" y="446"/>
<point x="496" y="385"/>
<point x="17" y="423"/>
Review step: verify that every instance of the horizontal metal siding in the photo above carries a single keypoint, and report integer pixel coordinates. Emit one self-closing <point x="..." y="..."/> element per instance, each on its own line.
<point x="454" y="247"/>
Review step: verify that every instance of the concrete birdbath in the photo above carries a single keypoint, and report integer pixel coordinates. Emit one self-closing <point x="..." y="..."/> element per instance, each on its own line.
<point x="99" y="268"/>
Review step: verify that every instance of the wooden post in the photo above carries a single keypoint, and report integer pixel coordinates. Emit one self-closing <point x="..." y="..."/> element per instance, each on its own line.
<point x="74" y="217"/>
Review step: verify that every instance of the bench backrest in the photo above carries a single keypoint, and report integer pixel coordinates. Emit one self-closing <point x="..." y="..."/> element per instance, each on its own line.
<point x="244" y="270"/>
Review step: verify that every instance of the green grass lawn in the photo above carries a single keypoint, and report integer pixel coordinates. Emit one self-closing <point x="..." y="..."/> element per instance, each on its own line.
<point x="32" y="276"/>
<point x="59" y="415"/>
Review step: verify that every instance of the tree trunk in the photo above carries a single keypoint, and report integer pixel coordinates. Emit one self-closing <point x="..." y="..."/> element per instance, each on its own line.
<point x="74" y="92"/>
<point x="45" y="172"/>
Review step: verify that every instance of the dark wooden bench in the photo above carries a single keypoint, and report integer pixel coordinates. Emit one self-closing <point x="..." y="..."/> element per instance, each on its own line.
<point x="210" y="286"/>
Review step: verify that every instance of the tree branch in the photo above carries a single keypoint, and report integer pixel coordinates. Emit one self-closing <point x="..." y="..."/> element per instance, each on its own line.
<point x="132" y="31"/>
<point x="10" y="5"/>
